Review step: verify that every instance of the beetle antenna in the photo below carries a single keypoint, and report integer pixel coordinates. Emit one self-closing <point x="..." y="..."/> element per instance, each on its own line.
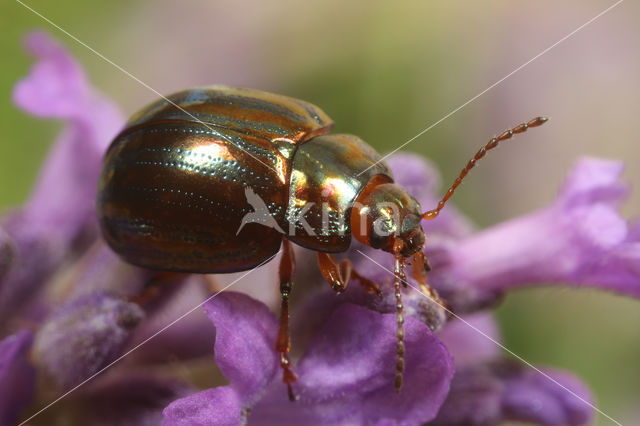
<point x="399" y="278"/>
<point x="507" y="134"/>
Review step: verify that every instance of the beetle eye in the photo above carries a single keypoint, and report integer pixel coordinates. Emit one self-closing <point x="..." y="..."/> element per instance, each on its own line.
<point x="410" y="223"/>
<point x="385" y="226"/>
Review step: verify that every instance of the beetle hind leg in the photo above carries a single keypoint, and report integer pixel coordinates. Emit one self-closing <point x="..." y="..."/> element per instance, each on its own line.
<point x="339" y="274"/>
<point x="283" y="344"/>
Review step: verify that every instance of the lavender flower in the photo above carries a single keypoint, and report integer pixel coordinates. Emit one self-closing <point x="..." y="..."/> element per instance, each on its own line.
<point x="17" y="376"/>
<point x="84" y="335"/>
<point x="61" y="207"/>
<point x="86" y="308"/>
<point x="488" y="388"/>
<point x="57" y="225"/>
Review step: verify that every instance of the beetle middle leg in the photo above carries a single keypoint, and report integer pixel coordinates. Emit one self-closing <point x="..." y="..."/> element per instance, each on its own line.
<point x="339" y="274"/>
<point x="283" y="344"/>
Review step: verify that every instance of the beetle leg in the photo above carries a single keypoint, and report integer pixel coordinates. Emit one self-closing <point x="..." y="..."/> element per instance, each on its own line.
<point x="156" y="285"/>
<point x="419" y="268"/>
<point x="399" y="278"/>
<point x="283" y="345"/>
<point x="339" y="274"/>
<point x="370" y="286"/>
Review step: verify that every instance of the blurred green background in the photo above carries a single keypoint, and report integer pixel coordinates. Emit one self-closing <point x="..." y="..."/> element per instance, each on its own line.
<point x="385" y="71"/>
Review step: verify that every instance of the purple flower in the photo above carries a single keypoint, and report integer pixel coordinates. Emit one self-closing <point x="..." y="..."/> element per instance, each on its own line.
<point x="87" y="307"/>
<point x="505" y="390"/>
<point x="579" y="239"/>
<point x="134" y="398"/>
<point x="17" y="376"/>
<point x="489" y="389"/>
<point x="55" y="234"/>
<point x="61" y="207"/>
<point x="344" y="374"/>
<point x="83" y="336"/>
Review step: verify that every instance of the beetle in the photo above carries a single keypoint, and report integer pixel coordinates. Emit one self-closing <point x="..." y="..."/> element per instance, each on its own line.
<point x="182" y="183"/>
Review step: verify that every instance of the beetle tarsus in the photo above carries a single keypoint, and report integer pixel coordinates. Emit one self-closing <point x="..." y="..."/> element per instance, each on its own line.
<point x="292" y="396"/>
<point x="339" y="274"/>
<point x="369" y="286"/>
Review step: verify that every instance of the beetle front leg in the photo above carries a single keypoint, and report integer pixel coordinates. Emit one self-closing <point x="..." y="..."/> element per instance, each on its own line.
<point x="338" y="274"/>
<point x="283" y="345"/>
<point x="419" y="267"/>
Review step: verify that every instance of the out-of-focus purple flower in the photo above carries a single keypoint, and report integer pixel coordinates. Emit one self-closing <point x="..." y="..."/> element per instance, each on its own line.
<point x="17" y="376"/>
<point x="63" y="200"/>
<point x="61" y="207"/>
<point x="471" y="338"/>
<point x="493" y="392"/>
<point x="83" y="336"/>
<point x="96" y="321"/>
<point x="193" y="337"/>
<point x="489" y="389"/>
<point x="344" y="375"/>
<point x="135" y="399"/>
<point x="579" y="239"/>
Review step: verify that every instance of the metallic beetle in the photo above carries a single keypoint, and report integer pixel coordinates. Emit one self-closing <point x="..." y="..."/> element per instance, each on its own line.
<point x="181" y="179"/>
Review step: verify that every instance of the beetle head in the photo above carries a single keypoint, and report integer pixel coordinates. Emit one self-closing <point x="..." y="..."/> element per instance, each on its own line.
<point x="384" y="213"/>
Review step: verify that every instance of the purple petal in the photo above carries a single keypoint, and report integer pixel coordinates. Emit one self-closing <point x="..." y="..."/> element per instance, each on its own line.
<point x="217" y="406"/>
<point x="593" y="181"/>
<point x="320" y="304"/>
<point x="17" y="376"/>
<point x="474" y="399"/>
<point x="57" y="88"/>
<point x="245" y="343"/>
<point x="618" y="270"/>
<point x="34" y="258"/>
<point x="491" y="393"/>
<point x="131" y="398"/>
<point x="469" y="338"/>
<point x="57" y="79"/>
<point x="580" y="239"/>
<point x="531" y="397"/>
<point x="347" y="374"/>
<point x="84" y="336"/>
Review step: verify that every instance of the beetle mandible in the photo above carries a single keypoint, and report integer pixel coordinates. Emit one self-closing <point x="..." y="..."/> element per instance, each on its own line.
<point x="178" y="181"/>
